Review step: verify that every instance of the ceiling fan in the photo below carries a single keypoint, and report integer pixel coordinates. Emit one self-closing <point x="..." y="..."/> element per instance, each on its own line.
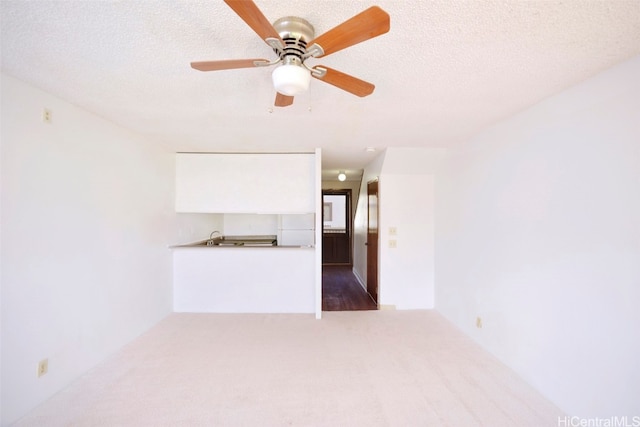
<point x="293" y="40"/>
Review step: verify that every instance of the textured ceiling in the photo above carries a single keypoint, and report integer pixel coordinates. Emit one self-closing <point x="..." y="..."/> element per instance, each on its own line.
<point x="446" y="70"/>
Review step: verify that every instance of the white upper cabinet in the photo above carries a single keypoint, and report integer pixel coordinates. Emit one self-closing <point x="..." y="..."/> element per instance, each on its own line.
<point x="245" y="183"/>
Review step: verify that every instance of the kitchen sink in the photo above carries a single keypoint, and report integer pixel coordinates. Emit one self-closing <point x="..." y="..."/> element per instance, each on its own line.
<point x="223" y="243"/>
<point x="268" y="240"/>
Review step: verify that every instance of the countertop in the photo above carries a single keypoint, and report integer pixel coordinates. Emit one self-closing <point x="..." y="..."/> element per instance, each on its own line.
<point x="243" y="241"/>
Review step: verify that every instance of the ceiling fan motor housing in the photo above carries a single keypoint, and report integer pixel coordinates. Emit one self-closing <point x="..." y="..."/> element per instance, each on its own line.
<point x="296" y="33"/>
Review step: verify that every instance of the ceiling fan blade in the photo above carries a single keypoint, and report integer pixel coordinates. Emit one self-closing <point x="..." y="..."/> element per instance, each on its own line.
<point x="344" y="81"/>
<point x="228" y="64"/>
<point x="249" y="12"/>
<point x="283" y="100"/>
<point x="364" y="26"/>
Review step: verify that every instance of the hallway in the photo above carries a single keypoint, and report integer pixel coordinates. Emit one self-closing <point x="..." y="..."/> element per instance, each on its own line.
<point x="341" y="290"/>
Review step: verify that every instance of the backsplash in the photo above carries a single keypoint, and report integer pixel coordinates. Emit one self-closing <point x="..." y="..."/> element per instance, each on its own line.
<point x="192" y="227"/>
<point x="250" y="224"/>
<point x="290" y="229"/>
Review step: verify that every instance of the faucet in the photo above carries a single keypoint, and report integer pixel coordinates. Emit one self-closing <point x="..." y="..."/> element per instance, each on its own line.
<point x="210" y="241"/>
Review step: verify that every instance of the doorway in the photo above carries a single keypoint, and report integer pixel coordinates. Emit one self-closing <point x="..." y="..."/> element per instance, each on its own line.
<point x="336" y="227"/>
<point x="341" y="290"/>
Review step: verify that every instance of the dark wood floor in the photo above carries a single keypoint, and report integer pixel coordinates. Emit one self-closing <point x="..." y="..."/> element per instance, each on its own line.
<point x="342" y="292"/>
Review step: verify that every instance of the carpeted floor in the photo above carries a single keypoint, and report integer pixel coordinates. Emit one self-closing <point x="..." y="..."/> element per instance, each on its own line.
<point x="363" y="368"/>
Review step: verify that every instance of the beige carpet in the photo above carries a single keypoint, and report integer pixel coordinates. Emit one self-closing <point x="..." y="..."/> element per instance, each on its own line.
<point x="376" y="368"/>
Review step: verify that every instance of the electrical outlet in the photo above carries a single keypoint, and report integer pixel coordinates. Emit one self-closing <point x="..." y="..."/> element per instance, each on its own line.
<point x="478" y="322"/>
<point x="43" y="367"/>
<point x="393" y="244"/>
<point x="46" y="115"/>
<point x="393" y="231"/>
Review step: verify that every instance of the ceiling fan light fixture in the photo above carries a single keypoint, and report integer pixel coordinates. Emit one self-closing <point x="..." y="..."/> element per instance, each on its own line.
<point x="291" y="79"/>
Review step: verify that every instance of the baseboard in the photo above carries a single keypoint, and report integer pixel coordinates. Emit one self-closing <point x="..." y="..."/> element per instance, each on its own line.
<point x="359" y="279"/>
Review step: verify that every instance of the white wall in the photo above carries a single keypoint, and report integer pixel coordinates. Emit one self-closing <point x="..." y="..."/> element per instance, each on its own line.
<point x="406" y="201"/>
<point x="87" y="211"/>
<point x="538" y="233"/>
<point x="406" y="278"/>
